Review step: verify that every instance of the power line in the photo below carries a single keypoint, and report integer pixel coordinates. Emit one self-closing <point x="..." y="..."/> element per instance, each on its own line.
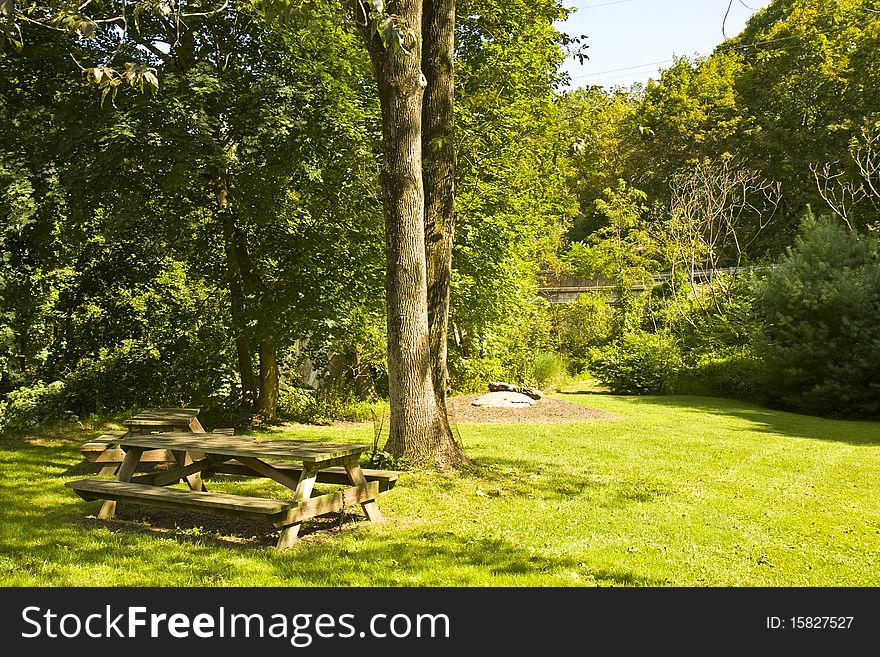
<point x="602" y="4"/>
<point x="720" y="50"/>
<point x="617" y="70"/>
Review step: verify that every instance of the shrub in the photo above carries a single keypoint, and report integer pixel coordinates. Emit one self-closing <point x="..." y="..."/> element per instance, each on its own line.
<point x="738" y="374"/>
<point x="640" y="363"/>
<point x="582" y="325"/>
<point x="549" y="369"/>
<point x="40" y="403"/>
<point x="325" y="405"/>
<point x="819" y="311"/>
<point x="473" y="374"/>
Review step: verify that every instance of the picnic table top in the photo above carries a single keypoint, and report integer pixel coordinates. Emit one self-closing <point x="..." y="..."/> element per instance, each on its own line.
<point x="163" y="416"/>
<point x="299" y="450"/>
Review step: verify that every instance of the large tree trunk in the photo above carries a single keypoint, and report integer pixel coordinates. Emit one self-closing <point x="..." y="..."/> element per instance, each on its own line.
<point x="267" y="403"/>
<point x="416" y="430"/>
<point x="438" y="171"/>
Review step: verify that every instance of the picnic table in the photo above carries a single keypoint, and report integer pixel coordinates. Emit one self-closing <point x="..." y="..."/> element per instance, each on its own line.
<point x="164" y="419"/>
<point x="295" y="464"/>
<point x="105" y="450"/>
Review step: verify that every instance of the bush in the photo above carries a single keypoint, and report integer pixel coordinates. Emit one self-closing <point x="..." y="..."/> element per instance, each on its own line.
<point x="29" y="406"/>
<point x="738" y="375"/>
<point x="640" y="363"/>
<point x="549" y="369"/>
<point x="582" y="325"/>
<point x="469" y="375"/>
<point x="325" y="405"/>
<point x="819" y="311"/>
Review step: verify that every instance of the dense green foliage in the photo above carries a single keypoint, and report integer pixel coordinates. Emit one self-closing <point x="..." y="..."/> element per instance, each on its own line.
<point x="691" y="189"/>
<point x="188" y="244"/>
<point x="819" y="309"/>
<point x="639" y="362"/>
<point x="511" y="193"/>
<point x="167" y="247"/>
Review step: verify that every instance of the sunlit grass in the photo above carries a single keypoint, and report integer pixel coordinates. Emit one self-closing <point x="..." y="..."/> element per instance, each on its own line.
<point x="682" y="491"/>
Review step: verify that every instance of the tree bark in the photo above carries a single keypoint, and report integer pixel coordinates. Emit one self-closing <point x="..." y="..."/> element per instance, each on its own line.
<point x="236" y="293"/>
<point x="438" y="171"/>
<point x="416" y="428"/>
<point x="267" y="402"/>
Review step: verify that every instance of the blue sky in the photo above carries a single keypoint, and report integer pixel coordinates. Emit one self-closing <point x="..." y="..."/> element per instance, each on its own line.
<point x="642" y="36"/>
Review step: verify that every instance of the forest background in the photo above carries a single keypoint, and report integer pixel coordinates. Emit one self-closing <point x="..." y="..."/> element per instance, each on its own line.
<point x="199" y="242"/>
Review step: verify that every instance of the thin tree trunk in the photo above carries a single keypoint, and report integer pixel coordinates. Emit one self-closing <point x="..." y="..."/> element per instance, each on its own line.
<point x="438" y="171"/>
<point x="236" y="294"/>
<point x="267" y="403"/>
<point x="415" y="427"/>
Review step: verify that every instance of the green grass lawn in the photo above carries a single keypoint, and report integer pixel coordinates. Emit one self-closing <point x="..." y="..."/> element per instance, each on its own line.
<point x="679" y="491"/>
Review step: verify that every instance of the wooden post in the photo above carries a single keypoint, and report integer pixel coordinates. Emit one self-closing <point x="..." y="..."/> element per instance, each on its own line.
<point x="195" y="426"/>
<point x="356" y="475"/>
<point x="303" y="492"/>
<point x="126" y="470"/>
<point x="194" y="481"/>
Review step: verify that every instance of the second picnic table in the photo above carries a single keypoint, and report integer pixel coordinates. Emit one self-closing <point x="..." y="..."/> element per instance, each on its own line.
<point x="201" y="454"/>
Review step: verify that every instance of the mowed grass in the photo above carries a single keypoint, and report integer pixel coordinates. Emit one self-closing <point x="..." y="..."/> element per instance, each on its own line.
<point x="679" y="491"/>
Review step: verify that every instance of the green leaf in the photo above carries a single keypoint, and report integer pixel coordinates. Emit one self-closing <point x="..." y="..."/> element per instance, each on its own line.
<point x="387" y="31"/>
<point x="87" y="28"/>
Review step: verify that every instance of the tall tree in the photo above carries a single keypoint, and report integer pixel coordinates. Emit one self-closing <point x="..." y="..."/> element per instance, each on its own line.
<point x="512" y="165"/>
<point x="418" y="429"/>
<point x="255" y="145"/>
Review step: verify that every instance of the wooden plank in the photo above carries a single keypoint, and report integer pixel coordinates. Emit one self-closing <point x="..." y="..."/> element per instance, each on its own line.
<point x="371" y="507"/>
<point x="226" y="431"/>
<point x="386" y="478"/>
<point x="268" y="471"/>
<point x="329" y="503"/>
<point x="303" y="492"/>
<point x="178" y="417"/>
<point x="92" y="489"/>
<point x="295" y="450"/>
<point x="195" y="426"/>
<point x="109" y="438"/>
<point x="116" y="455"/>
<point x="126" y="470"/>
<point x="194" y="481"/>
<point x="164" y="420"/>
<point x="166" y="477"/>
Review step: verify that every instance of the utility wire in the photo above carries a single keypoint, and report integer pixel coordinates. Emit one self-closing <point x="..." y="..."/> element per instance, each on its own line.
<point x="720" y="50"/>
<point x="601" y="4"/>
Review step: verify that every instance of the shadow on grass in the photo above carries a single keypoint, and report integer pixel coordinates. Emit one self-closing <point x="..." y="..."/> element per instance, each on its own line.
<point x="47" y="537"/>
<point x="416" y="556"/>
<point x="862" y="433"/>
<point x="533" y="478"/>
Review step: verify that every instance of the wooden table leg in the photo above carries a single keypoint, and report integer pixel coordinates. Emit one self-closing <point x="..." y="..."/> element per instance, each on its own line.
<point x="195" y="426"/>
<point x="194" y="481"/>
<point x="303" y="492"/>
<point x="356" y="475"/>
<point x="126" y="470"/>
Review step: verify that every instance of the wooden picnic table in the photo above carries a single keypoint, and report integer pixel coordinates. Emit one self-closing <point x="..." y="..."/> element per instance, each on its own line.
<point x="198" y="454"/>
<point x="105" y="449"/>
<point x="164" y="420"/>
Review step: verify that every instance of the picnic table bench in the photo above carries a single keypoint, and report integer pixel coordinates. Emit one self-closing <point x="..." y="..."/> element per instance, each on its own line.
<point x="197" y="454"/>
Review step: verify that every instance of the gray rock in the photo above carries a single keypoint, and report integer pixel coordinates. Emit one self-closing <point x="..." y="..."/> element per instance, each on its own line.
<point x="500" y="386"/>
<point x="502" y="399"/>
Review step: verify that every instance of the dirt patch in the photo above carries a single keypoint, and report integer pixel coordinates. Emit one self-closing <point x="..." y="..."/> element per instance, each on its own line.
<point x="548" y="409"/>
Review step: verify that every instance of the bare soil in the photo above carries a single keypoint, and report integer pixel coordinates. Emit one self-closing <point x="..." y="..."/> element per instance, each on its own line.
<point x="548" y="409"/>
